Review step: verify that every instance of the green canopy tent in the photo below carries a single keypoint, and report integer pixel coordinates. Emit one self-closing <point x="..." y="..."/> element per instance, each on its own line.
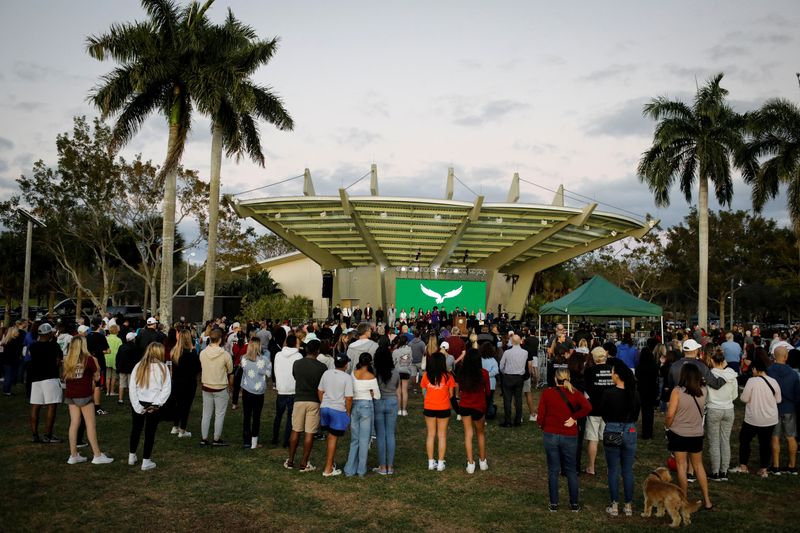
<point x="600" y="297"/>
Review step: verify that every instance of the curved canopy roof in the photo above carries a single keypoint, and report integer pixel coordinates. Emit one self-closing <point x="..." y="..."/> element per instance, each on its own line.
<point x="343" y="231"/>
<point x="600" y="297"/>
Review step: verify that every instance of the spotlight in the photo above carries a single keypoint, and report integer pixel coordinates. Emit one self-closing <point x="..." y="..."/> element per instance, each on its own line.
<point x="455" y="271"/>
<point x="586" y="227"/>
<point x="402" y="269"/>
<point x="466" y="256"/>
<point x="384" y="214"/>
<point x="613" y="233"/>
<point x="323" y="214"/>
<point x="416" y="269"/>
<point x="499" y="220"/>
<point x="544" y="222"/>
<point x="437" y="217"/>
<point x="277" y="215"/>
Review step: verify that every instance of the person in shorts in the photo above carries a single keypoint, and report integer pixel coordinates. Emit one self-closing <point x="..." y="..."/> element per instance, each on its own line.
<point x="438" y="385"/>
<point x="475" y="388"/>
<point x="789" y="383"/>
<point x="127" y="357"/>
<point x="307" y="374"/>
<point x="335" y="392"/>
<point x="45" y="384"/>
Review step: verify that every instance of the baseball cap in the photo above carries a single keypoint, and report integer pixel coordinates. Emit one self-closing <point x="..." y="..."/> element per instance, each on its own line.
<point x="83" y="329"/>
<point x="235" y="325"/>
<point x="444" y="346"/>
<point x="310" y="337"/>
<point x="45" y="329"/>
<point x="151" y="321"/>
<point x="691" y="345"/>
<point x="130" y="336"/>
<point x="341" y="359"/>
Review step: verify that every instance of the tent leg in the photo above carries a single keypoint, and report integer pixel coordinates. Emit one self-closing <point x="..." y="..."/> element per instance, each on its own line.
<point x="662" y="328"/>
<point x="540" y="330"/>
<point x="567" y="325"/>
<point x="622" y="321"/>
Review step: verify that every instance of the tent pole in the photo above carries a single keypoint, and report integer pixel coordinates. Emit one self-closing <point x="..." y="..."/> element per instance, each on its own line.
<point x="662" y="328"/>
<point x="540" y="329"/>
<point x="567" y="325"/>
<point x="622" y="321"/>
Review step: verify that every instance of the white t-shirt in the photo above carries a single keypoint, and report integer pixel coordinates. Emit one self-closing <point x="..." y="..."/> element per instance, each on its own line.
<point x="336" y="386"/>
<point x="762" y="404"/>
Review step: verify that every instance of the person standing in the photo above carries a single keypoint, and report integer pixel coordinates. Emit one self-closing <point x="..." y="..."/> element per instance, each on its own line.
<point x="391" y="316"/>
<point x="45" y="386"/>
<point x="512" y="367"/>
<point x="619" y="408"/>
<point x="185" y="368"/>
<point x="307" y="373"/>
<point x="150" y="389"/>
<point x="789" y="383"/>
<point x="217" y="380"/>
<point x="560" y="407"/>
<point x="364" y="344"/>
<point x="335" y="394"/>
<point x="127" y="357"/>
<point x="114" y="342"/>
<point x="357" y="314"/>
<point x="255" y="371"/>
<point x="97" y="345"/>
<point x="80" y="373"/>
<point x="438" y="385"/>
<point x="365" y="390"/>
<point x="386" y="409"/>
<point x="285" y="383"/>
<point x="733" y="352"/>
<point x="720" y="417"/>
<point x="647" y="387"/>
<point x="403" y="359"/>
<point x="368" y="312"/>
<point x="475" y="389"/>
<point x="627" y="352"/>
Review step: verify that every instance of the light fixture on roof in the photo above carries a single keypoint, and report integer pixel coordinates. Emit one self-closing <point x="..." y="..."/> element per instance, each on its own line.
<point x="277" y="215"/>
<point x="455" y="271"/>
<point x="613" y="233"/>
<point x="652" y="223"/>
<point x="586" y="227"/>
<point x="416" y="269"/>
<point x="437" y="217"/>
<point x="544" y="222"/>
<point x="323" y="214"/>
<point x="501" y="233"/>
<point x="416" y="258"/>
<point x="384" y="214"/>
<point x="466" y="256"/>
<point x="499" y="220"/>
<point x="402" y="269"/>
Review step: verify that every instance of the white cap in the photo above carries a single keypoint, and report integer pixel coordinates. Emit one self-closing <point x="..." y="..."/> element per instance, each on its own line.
<point x="310" y="337"/>
<point x="130" y="336"/>
<point x="83" y="329"/>
<point x="151" y="321"/>
<point x="444" y="346"/>
<point x="690" y="345"/>
<point x="235" y="325"/>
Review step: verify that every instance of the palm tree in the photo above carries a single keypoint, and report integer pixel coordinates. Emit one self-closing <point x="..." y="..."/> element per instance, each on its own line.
<point x="235" y="105"/>
<point x="697" y="143"/>
<point x="775" y="135"/>
<point x="159" y="63"/>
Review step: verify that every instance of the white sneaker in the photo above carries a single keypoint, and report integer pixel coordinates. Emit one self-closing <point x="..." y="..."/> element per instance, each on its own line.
<point x="334" y="472"/>
<point x="484" y="464"/>
<point x="75" y="459"/>
<point x="184" y="435"/>
<point x="470" y="468"/>
<point x="458" y="417"/>
<point x="132" y="459"/>
<point x="431" y="464"/>
<point x="175" y="430"/>
<point x="440" y="466"/>
<point x="405" y="413"/>
<point x="532" y="418"/>
<point x="147" y="464"/>
<point x="400" y="412"/>
<point x="102" y="459"/>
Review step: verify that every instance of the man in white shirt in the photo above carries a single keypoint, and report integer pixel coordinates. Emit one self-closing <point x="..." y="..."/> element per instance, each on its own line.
<point x="284" y="382"/>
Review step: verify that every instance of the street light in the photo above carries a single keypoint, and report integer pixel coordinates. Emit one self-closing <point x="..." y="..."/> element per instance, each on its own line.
<point x="26" y="284"/>
<point x="732" y="292"/>
<point x="187" y="273"/>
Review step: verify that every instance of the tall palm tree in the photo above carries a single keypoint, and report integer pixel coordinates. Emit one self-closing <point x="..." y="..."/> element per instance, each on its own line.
<point x="695" y="143"/>
<point x="158" y="73"/>
<point x="235" y="106"/>
<point x="775" y="135"/>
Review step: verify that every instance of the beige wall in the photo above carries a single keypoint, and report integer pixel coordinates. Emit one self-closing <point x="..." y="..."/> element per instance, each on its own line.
<point x="303" y="277"/>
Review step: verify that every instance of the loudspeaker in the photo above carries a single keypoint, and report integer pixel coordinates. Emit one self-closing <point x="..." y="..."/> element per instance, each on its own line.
<point x="327" y="285"/>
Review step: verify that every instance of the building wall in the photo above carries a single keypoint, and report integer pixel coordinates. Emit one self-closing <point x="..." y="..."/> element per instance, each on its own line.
<point x="303" y="277"/>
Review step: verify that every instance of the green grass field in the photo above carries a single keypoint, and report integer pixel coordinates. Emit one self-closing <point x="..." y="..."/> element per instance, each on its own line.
<point x="249" y="490"/>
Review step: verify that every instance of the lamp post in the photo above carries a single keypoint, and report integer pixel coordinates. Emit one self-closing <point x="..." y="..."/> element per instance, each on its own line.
<point x="732" y="292"/>
<point x="26" y="284"/>
<point x="187" y="273"/>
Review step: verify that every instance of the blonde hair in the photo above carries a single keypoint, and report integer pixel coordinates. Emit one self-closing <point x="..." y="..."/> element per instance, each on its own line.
<point x="562" y="374"/>
<point x="432" y="346"/>
<point x="114" y="329"/>
<point x="184" y="343"/>
<point x="253" y="349"/>
<point x="77" y="353"/>
<point x="12" y="333"/>
<point x="154" y="354"/>
<point x="473" y="339"/>
<point x="583" y="344"/>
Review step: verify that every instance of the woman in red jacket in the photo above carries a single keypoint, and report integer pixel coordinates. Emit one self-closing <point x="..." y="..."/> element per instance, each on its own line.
<point x="473" y="382"/>
<point x="560" y="407"/>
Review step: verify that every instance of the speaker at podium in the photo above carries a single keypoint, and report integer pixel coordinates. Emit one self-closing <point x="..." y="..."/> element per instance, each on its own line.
<point x="461" y="323"/>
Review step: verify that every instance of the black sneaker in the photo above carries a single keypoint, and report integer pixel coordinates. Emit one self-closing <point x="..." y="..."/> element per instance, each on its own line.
<point x="774" y="470"/>
<point x="35" y="438"/>
<point x="723" y="476"/>
<point x="51" y="439"/>
<point x="790" y="471"/>
<point x="203" y="442"/>
<point x="575" y="507"/>
<point x="691" y="478"/>
<point x="120" y="402"/>
<point x="219" y="442"/>
<point x="714" y="476"/>
<point x="100" y="411"/>
<point x="553" y="507"/>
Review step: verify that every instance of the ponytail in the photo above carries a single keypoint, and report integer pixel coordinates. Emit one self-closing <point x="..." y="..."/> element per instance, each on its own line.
<point x="562" y="378"/>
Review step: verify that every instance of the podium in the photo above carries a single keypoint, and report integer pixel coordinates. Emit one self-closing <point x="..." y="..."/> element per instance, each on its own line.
<point x="461" y="323"/>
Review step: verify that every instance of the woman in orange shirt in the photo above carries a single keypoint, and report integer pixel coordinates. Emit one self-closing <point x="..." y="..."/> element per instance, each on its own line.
<point x="437" y="386"/>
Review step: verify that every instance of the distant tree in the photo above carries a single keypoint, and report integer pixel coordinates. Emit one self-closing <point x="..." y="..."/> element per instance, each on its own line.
<point x="252" y="287"/>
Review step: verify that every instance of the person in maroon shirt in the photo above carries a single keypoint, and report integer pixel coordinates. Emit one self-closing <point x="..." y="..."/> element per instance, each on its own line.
<point x="457" y="347"/>
<point x="560" y="407"/>
<point x="475" y="388"/>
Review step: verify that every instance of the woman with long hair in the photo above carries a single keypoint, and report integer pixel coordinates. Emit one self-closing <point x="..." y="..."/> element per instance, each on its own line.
<point x="81" y="370"/>
<point x="438" y="387"/>
<point x="647" y="386"/>
<point x="720" y="416"/>
<point x="474" y="387"/>
<point x="151" y="385"/>
<point x="404" y="361"/>
<point x="560" y="408"/>
<point x="489" y="363"/>
<point x="185" y="369"/>
<point x="13" y="342"/>
<point x="684" y="421"/>
<point x="386" y="409"/>
<point x="255" y="371"/>
<point x="238" y="349"/>
<point x="619" y="407"/>
<point x="362" y="415"/>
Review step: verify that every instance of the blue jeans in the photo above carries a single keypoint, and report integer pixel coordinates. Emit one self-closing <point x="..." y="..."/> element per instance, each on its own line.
<point x="10" y="377"/>
<point x="283" y="402"/>
<point x="621" y="457"/>
<point x="385" y="424"/>
<point x="561" y="451"/>
<point x="361" y="418"/>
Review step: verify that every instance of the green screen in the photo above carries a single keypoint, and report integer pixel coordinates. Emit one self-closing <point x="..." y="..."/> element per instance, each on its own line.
<point x="410" y="294"/>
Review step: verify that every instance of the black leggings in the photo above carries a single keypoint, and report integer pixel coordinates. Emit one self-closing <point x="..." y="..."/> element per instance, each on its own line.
<point x="184" y="396"/>
<point x="148" y="421"/>
<point x="237" y="384"/>
<point x="253" y="403"/>
<point x="746" y="435"/>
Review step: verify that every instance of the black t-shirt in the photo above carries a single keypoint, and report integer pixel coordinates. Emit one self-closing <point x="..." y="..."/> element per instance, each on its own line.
<point x="97" y="344"/>
<point x="307" y="374"/>
<point x="186" y="370"/>
<point x="597" y="380"/>
<point x="44" y="360"/>
<point x="615" y="406"/>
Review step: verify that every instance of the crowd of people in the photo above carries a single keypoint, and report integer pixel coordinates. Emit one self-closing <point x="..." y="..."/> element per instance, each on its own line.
<point x="330" y="378"/>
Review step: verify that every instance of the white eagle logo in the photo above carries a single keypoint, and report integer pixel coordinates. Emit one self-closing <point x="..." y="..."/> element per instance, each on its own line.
<point x="439" y="297"/>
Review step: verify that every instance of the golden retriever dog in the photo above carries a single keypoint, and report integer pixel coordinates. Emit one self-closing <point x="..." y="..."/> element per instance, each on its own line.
<point x="659" y="492"/>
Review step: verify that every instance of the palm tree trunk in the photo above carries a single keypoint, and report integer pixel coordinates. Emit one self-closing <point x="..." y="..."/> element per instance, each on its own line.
<point x="702" y="284"/>
<point x="168" y="235"/>
<point x="213" y="221"/>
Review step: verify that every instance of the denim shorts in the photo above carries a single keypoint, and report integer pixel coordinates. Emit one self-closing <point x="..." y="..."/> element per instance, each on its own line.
<point x="786" y="427"/>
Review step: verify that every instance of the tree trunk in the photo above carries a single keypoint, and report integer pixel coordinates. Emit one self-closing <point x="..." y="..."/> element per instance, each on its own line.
<point x="213" y="221"/>
<point x="702" y="283"/>
<point x="78" y="304"/>
<point x="168" y="235"/>
<point x="722" y="298"/>
<point x="145" y="299"/>
<point x="153" y="297"/>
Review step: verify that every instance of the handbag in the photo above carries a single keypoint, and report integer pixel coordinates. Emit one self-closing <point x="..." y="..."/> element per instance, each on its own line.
<point x="612" y="439"/>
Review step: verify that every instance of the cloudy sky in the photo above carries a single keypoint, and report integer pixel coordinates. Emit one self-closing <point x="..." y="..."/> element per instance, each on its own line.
<point x="552" y="90"/>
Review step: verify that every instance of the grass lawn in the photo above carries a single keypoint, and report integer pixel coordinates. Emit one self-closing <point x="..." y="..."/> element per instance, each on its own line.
<point x="249" y="490"/>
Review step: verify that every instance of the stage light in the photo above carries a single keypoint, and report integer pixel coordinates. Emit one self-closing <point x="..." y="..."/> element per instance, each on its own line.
<point x="402" y="269"/>
<point x="416" y="269"/>
<point x="613" y="233"/>
<point x="323" y="214"/>
<point x="455" y="271"/>
<point x="277" y="215"/>
<point x="384" y="214"/>
<point x="544" y="222"/>
<point x="437" y="217"/>
<point x="586" y="227"/>
<point x="416" y="258"/>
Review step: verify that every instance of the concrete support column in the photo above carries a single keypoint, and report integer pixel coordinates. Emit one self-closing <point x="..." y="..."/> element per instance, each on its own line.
<point x="519" y="296"/>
